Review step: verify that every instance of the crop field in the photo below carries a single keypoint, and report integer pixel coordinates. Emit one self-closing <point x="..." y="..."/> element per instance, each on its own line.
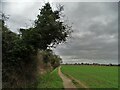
<point x="93" y="76"/>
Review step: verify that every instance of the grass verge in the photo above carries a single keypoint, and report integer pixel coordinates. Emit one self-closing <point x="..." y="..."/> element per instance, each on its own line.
<point x="50" y="80"/>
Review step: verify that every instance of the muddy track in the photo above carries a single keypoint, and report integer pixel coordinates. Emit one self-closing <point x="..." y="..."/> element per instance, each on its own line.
<point x="78" y="83"/>
<point x="67" y="82"/>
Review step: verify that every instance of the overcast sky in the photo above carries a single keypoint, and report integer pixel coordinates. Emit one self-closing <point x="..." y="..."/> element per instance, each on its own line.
<point x="94" y="24"/>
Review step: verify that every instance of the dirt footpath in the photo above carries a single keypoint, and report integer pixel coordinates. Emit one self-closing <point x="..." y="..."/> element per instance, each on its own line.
<point x="68" y="85"/>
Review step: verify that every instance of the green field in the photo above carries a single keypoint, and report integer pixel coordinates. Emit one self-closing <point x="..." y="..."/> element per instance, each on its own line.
<point x="93" y="76"/>
<point x="50" y="80"/>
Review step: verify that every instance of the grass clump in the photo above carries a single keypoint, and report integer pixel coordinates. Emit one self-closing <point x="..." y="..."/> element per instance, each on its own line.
<point x="50" y="80"/>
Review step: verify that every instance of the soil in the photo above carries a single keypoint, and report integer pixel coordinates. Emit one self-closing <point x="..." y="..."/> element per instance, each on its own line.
<point x="67" y="82"/>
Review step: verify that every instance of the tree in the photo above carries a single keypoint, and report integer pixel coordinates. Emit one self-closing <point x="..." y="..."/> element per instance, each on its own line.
<point x="48" y="30"/>
<point x="19" y="51"/>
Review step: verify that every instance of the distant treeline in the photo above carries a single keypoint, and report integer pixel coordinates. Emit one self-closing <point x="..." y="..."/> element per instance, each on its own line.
<point x="97" y="64"/>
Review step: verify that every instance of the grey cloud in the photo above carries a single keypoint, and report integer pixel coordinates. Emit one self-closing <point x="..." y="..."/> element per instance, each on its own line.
<point x="95" y="29"/>
<point x="21" y="14"/>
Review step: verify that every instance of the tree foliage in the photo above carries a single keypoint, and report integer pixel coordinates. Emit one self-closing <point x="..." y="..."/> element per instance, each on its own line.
<point x="52" y="58"/>
<point x="49" y="30"/>
<point x="19" y="50"/>
<point x="18" y="63"/>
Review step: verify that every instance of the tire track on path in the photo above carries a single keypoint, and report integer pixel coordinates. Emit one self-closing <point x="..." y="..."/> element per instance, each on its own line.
<point x="67" y="82"/>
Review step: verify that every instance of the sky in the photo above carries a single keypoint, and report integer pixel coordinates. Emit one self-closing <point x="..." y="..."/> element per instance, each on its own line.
<point x="95" y="28"/>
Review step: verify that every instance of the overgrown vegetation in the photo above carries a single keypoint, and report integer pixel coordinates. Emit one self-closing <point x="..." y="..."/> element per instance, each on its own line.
<point x="50" y="57"/>
<point x="19" y="52"/>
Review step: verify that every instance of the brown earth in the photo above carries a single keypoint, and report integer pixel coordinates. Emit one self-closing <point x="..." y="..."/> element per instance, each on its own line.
<point x="67" y="82"/>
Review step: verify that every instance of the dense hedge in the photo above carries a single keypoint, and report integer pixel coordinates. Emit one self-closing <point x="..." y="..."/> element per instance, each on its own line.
<point x="19" y="50"/>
